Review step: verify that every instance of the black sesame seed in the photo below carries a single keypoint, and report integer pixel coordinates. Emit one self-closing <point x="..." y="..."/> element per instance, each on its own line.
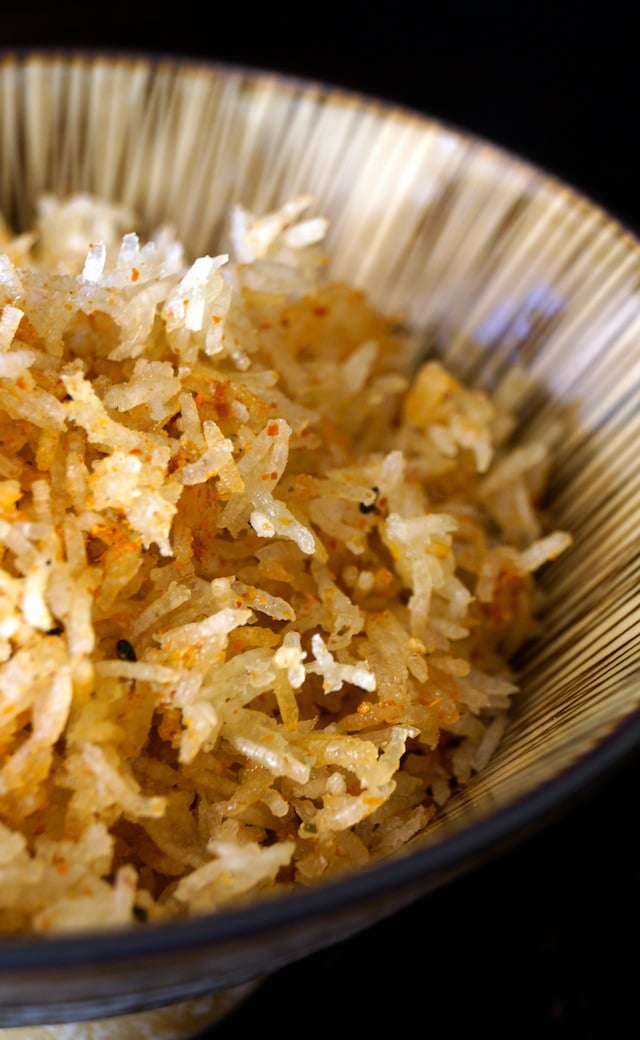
<point x="371" y="507"/>
<point x="125" y="651"/>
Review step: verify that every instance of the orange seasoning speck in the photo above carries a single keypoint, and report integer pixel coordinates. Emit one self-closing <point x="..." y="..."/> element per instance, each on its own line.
<point x="272" y="429"/>
<point x="135" y="274"/>
<point x="26" y="332"/>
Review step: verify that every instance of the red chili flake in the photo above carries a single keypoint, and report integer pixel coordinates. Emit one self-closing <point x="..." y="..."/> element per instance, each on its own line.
<point x="219" y="393"/>
<point x="320" y="312"/>
<point x="273" y="429"/>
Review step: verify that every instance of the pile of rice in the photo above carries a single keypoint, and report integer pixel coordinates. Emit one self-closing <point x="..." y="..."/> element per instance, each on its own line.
<point x="263" y="572"/>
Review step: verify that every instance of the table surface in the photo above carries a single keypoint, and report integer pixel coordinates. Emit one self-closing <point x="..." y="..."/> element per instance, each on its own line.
<point x="540" y="941"/>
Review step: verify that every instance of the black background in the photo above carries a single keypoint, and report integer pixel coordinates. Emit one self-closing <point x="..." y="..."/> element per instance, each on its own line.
<point x="541" y="941"/>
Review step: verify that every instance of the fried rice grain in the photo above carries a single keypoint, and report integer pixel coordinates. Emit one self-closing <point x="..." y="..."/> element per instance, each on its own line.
<point x="263" y="570"/>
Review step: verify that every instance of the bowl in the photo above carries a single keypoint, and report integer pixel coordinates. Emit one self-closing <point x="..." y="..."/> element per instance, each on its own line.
<point x="503" y="271"/>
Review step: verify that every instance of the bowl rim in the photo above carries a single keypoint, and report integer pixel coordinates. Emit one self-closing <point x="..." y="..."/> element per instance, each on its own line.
<point x="338" y="92"/>
<point x="452" y="855"/>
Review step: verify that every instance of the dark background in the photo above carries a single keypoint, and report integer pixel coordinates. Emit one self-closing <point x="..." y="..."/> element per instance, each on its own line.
<point x="541" y="941"/>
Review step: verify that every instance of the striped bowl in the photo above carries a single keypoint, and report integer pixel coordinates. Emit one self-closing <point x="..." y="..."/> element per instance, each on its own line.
<point x="503" y="268"/>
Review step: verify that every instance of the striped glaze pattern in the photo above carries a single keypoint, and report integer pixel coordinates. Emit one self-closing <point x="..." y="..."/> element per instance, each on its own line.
<point x="498" y="264"/>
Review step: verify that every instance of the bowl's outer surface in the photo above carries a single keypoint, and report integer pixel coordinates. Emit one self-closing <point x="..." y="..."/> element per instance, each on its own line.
<point x="180" y="1021"/>
<point x="504" y="269"/>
